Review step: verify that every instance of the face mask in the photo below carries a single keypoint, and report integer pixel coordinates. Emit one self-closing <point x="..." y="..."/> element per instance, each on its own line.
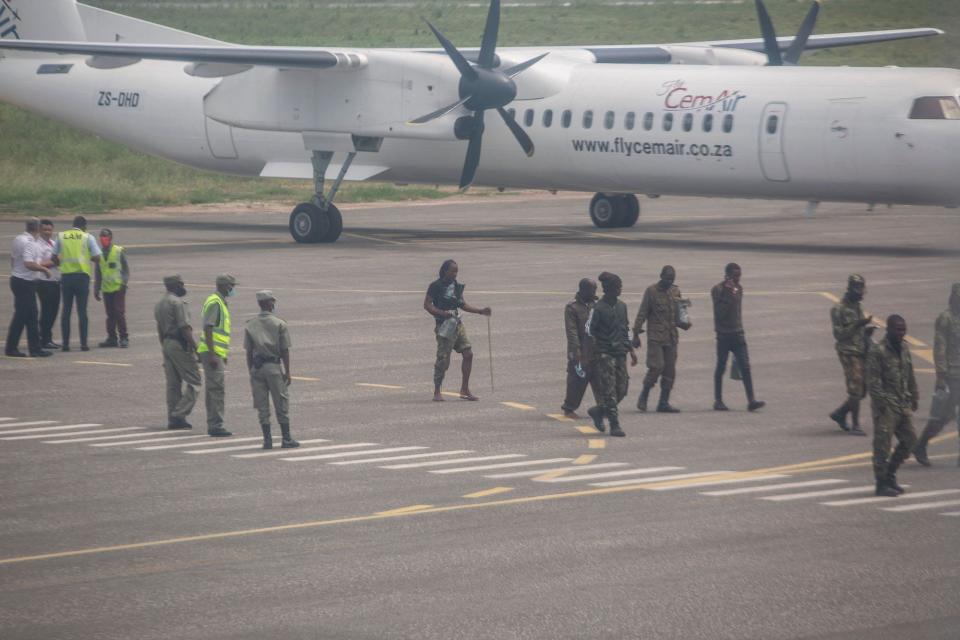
<point x="276" y="305"/>
<point x="181" y="292"/>
<point x="231" y="293"/>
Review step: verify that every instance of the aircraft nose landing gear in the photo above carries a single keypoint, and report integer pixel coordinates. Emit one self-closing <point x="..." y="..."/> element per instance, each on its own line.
<point x="318" y="220"/>
<point x="609" y="210"/>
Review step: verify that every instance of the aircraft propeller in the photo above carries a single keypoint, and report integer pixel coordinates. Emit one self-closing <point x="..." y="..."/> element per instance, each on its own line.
<point x="482" y="88"/>
<point x="772" y="48"/>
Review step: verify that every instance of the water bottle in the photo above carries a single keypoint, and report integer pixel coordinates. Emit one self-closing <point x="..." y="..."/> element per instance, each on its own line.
<point x="579" y="371"/>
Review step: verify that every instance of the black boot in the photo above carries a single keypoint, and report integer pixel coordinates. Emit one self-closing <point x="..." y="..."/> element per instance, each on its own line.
<point x="892" y="475"/>
<point x="884" y="490"/>
<point x="288" y="442"/>
<point x="840" y="416"/>
<point x="642" y="400"/>
<point x="664" y="405"/>
<point x="920" y="453"/>
<point x="596" y="414"/>
<point x="267" y="436"/>
<point x="615" y="429"/>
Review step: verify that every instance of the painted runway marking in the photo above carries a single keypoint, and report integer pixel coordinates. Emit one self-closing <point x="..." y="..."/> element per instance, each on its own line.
<point x="489" y="492"/>
<point x="559" y="417"/>
<point x="519" y="405"/>
<point x="48" y="435"/>
<point x="648" y="481"/>
<point x="351" y="454"/>
<point x="102" y="364"/>
<point x="244" y="447"/>
<point x="152" y="440"/>
<point x="305" y="379"/>
<point x="26" y="424"/>
<point x="710" y="483"/>
<point x="539" y="472"/>
<point x="773" y="487"/>
<point x="906" y="496"/>
<point x="612" y="474"/>
<point x="213" y="442"/>
<point x="432" y="454"/>
<point x="502" y="465"/>
<point x="868" y="488"/>
<point x="379" y="386"/>
<point x="436" y="463"/>
<point x="140" y="434"/>
<point x="924" y="505"/>
<point x="64" y="427"/>
<point x="289" y="452"/>
<point x="596" y="443"/>
<point x="402" y="510"/>
<point x="587" y="430"/>
<point x="586" y="458"/>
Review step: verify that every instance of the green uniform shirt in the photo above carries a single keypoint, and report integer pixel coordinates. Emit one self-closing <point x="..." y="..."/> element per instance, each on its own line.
<point x="172" y="314"/>
<point x="946" y="344"/>
<point x="658" y="310"/>
<point x="266" y="336"/>
<point x="890" y="376"/>
<point x="851" y="339"/>
<point x="609" y="325"/>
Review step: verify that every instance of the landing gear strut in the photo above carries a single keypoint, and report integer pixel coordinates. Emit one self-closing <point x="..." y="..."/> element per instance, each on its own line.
<point x="318" y="220"/>
<point x="609" y="210"/>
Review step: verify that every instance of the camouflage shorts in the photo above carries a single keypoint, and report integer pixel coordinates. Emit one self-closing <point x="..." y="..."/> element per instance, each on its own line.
<point x="445" y="346"/>
<point x="855" y="375"/>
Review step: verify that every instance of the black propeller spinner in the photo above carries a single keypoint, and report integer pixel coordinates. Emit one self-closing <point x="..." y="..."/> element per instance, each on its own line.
<point x="482" y="88"/>
<point x="770" y="45"/>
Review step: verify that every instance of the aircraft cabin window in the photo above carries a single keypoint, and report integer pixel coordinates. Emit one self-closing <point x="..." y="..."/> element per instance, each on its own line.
<point x="548" y="118"/>
<point x="647" y="121"/>
<point x="667" y="121"/>
<point x="772" y="123"/>
<point x="708" y="123"/>
<point x="566" y="118"/>
<point x="587" y="119"/>
<point x="728" y="123"/>
<point x="630" y="120"/>
<point x="687" y="121"/>
<point x="528" y="118"/>
<point x="935" y="108"/>
<point x="608" y="120"/>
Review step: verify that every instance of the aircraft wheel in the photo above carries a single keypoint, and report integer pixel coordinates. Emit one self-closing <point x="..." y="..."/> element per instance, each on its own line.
<point x="606" y="210"/>
<point x="631" y="210"/>
<point x="310" y="224"/>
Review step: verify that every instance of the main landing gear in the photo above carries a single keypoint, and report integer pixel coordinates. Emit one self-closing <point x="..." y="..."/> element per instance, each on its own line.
<point x="609" y="210"/>
<point x="318" y="220"/>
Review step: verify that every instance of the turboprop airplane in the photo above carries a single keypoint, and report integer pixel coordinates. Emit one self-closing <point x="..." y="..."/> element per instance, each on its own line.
<point x="734" y="118"/>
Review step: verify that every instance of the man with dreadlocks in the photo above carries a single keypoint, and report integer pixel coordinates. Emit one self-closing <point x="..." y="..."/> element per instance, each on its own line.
<point x="609" y="325"/>
<point x="443" y="301"/>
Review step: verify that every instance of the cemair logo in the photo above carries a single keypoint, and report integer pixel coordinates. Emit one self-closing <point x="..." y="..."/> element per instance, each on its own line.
<point x="9" y="20"/>
<point x="676" y="97"/>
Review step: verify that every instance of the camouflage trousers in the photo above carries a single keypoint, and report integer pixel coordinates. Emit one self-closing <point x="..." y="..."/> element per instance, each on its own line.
<point x="612" y="382"/>
<point x="855" y="375"/>
<point x="888" y="422"/>
<point x="445" y="346"/>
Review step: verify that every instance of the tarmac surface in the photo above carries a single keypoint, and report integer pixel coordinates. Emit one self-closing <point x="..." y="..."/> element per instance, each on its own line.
<point x="509" y="522"/>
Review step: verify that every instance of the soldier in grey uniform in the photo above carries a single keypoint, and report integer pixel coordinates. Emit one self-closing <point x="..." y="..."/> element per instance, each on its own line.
<point x="179" y="352"/>
<point x="946" y="359"/>
<point x="266" y="340"/>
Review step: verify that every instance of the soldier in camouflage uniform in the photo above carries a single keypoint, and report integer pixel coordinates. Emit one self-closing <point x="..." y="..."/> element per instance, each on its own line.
<point x="946" y="359"/>
<point x="660" y="313"/>
<point x="894" y="398"/>
<point x="609" y="325"/>
<point x="852" y="332"/>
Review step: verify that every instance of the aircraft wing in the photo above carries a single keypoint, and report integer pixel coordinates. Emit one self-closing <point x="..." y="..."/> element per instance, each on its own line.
<point x="829" y="40"/>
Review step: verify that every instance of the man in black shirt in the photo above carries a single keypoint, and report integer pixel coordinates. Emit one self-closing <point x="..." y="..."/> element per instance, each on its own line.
<point x="443" y="301"/>
<point x="609" y="325"/>
<point x="727" y="299"/>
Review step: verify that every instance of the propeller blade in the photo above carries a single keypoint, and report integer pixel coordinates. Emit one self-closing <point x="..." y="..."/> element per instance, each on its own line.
<point x="798" y="44"/>
<point x="488" y="46"/>
<point x="473" y="152"/>
<point x="769" y="36"/>
<point x="439" y="113"/>
<point x="517" y="131"/>
<point x="516" y="70"/>
<point x="466" y="70"/>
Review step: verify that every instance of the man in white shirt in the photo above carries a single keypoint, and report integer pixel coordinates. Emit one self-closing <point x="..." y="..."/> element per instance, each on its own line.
<point x="48" y="288"/>
<point x="24" y="264"/>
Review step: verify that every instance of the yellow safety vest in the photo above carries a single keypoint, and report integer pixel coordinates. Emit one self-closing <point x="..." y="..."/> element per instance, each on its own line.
<point x="74" y="252"/>
<point x="221" y="332"/>
<point x="111" y="273"/>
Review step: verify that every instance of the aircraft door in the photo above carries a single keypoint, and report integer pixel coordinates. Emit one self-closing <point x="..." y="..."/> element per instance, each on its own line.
<point x="773" y="162"/>
<point x="220" y="140"/>
<point x="840" y="146"/>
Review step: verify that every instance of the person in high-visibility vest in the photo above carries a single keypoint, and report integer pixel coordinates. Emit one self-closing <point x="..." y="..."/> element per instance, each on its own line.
<point x="76" y="252"/>
<point x="113" y="274"/>
<point x="213" y="351"/>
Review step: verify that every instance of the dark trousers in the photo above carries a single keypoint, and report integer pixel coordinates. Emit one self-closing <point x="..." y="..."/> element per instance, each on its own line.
<point x="49" y="293"/>
<point x="24" y="315"/>
<point x="116" y="306"/>
<point x="577" y="386"/>
<point x="735" y="343"/>
<point x="75" y="286"/>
